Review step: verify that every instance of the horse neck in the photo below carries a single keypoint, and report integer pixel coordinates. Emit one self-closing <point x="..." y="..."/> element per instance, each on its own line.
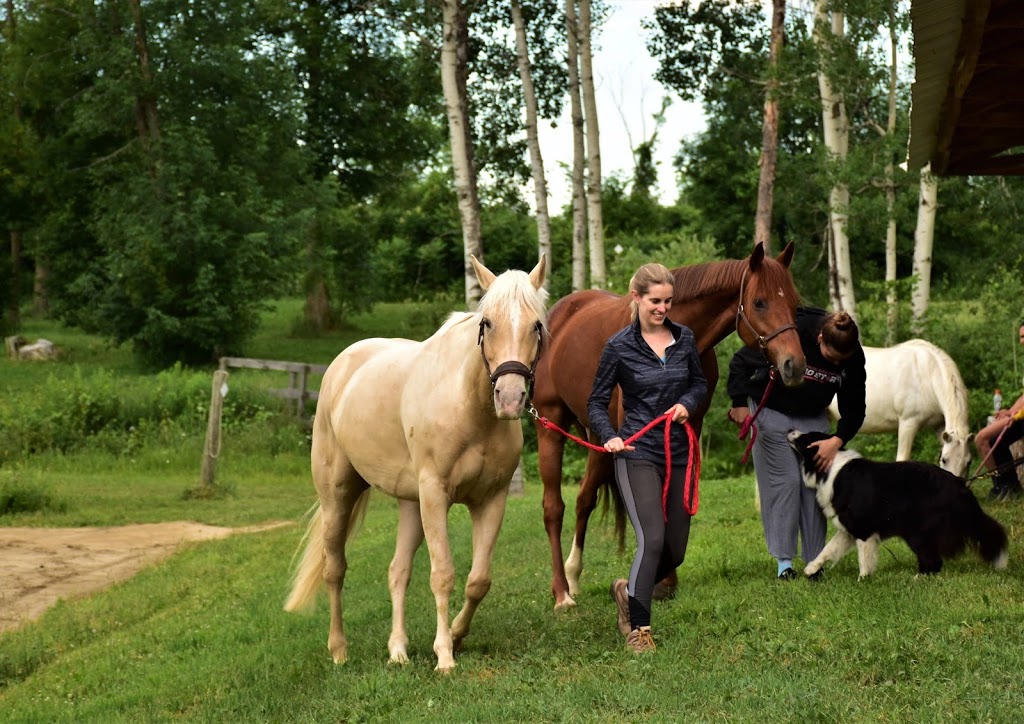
<point x="456" y="350"/>
<point x="711" y="311"/>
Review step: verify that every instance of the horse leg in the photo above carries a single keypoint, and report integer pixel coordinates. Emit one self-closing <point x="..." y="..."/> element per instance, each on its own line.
<point x="410" y="536"/>
<point x="550" y="448"/>
<point x="598" y="469"/>
<point x="486" y="517"/>
<point x="346" y="489"/>
<point x="906" y="432"/>
<point x="434" y="506"/>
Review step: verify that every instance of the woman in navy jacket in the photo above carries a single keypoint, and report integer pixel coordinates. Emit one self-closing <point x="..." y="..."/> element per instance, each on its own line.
<point x="656" y="365"/>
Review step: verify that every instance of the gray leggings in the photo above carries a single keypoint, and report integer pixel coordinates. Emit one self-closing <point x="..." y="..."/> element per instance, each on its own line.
<point x="788" y="506"/>
<point x="660" y="545"/>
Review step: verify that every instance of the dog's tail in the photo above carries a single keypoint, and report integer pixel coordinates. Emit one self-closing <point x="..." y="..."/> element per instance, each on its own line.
<point x="990" y="538"/>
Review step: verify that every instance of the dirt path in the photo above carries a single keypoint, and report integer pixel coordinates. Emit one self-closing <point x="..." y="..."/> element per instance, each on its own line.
<point x="39" y="566"/>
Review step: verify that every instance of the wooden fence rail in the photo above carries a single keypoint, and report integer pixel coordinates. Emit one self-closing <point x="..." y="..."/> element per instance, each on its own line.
<point x="298" y="390"/>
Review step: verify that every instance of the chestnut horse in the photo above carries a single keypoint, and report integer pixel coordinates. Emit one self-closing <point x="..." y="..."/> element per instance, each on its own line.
<point x="431" y="423"/>
<point x="754" y="296"/>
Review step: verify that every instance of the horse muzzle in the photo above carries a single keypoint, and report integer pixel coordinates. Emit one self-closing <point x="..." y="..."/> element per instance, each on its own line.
<point x="512" y="384"/>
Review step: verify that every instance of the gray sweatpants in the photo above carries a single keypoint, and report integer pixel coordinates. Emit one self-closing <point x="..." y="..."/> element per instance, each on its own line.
<point x="788" y="506"/>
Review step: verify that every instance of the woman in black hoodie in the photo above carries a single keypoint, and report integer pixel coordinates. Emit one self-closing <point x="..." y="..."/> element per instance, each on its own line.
<point x="835" y="367"/>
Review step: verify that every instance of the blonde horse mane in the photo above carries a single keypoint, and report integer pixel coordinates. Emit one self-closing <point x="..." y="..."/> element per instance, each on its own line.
<point x="511" y="291"/>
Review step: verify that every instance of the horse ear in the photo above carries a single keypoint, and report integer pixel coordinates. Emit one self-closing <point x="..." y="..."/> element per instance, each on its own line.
<point x="786" y="257"/>
<point x="757" y="256"/>
<point x="539" y="272"/>
<point x="483" y="275"/>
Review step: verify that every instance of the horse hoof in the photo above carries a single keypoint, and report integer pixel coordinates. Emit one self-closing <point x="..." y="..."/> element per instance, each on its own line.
<point x="399" y="656"/>
<point x="446" y="668"/>
<point x="565" y="604"/>
<point x="663" y="593"/>
<point x="340" y="657"/>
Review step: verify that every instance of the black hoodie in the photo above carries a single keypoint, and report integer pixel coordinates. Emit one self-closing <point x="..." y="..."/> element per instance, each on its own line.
<point x="748" y="378"/>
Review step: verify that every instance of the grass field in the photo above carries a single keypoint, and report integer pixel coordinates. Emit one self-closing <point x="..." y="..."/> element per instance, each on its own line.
<point x="202" y="636"/>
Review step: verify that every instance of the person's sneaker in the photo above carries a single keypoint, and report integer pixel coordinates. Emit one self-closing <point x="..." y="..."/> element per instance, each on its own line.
<point x="788" y="574"/>
<point x="639" y="640"/>
<point x="621" y="598"/>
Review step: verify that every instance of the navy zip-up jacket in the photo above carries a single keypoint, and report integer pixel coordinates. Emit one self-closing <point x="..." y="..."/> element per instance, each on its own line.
<point x="748" y="378"/>
<point x="649" y="388"/>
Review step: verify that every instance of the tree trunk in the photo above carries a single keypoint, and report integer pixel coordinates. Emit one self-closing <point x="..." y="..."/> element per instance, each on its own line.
<point x="836" y="132"/>
<point x="146" y="119"/>
<point x="540" y="185"/>
<point x="770" y="133"/>
<point x="579" y="194"/>
<point x="12" y="314"/>
<point x="891" y="299"/>
<point x="924" y="236"/>
<point x="41" y="290"/>
<point x="598" y="275"/>
<point x="454" y="58"/>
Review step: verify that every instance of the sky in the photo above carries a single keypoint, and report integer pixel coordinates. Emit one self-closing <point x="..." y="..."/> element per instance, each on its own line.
<point x="628" y="96"/>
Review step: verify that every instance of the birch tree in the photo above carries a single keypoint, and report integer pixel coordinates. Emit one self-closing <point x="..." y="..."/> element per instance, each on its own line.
<point x="454" y="59"/>
<point x="579" y="195"/>
<point x="595" y="223"/>
<point x="770" y="132"/>
<point x="829" y="26"/>
<point x="540" y="187"/>
<point x="924" y="235"/>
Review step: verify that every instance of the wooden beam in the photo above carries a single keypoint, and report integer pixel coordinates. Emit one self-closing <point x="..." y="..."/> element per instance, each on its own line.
<point x="960" y="79"/>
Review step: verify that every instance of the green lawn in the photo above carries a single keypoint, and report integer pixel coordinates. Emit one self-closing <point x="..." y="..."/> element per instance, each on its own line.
<point x="202" y="637"/>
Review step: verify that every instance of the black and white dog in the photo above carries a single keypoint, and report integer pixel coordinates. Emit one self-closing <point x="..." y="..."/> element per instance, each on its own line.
<point x="928" y="507"/>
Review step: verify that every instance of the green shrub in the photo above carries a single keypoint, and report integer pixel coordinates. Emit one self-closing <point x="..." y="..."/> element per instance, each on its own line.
<point x="17" y="497"/>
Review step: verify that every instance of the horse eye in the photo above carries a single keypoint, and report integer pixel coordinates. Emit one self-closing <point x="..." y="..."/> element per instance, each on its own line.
<point x="760" y="305"/>
<point x="487" y="323"/>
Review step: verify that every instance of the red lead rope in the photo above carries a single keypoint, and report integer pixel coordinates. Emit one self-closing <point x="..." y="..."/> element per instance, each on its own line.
<point x="691" y="493"/>
<point x="748" y="424"/>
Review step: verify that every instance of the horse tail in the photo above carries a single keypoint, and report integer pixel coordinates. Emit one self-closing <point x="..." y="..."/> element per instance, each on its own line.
<point x="608" y="496"/>
<point x="309" y="574"/>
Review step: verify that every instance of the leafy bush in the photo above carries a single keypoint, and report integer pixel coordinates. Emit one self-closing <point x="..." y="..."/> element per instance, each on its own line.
<point x="119" y="415"/>
<point x="17" y="497"/>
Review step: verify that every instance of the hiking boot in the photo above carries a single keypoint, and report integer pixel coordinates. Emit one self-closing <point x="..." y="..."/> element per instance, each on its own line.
<point x="639" y="640"/>
<point x="621" y="598"/>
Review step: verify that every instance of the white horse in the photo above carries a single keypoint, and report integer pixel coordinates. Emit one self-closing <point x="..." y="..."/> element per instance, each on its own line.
<point x="431" y="423"/>
<point x="913" y="385"/>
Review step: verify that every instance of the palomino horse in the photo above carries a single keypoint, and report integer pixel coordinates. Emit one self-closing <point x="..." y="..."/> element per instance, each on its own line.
<point x="755" y="297"/>
<point x="913" y="385"/>
<point x="431" y="423"/>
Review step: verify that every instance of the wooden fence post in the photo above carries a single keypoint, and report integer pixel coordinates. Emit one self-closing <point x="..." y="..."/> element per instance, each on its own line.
<point x="212" y="447"/>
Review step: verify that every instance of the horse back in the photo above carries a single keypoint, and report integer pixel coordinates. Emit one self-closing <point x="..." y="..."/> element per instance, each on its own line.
<point x="580" y="324"/>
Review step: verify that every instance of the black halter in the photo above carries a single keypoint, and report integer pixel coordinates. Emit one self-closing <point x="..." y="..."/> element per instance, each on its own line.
<point x="512" y="366"/>
<point x="762" y="339"/>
